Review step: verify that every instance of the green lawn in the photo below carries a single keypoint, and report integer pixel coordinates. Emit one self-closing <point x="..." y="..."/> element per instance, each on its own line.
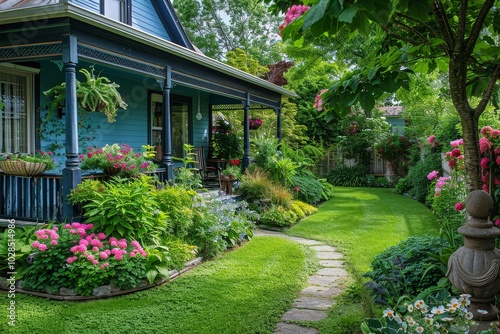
<point x="244" y="291"/>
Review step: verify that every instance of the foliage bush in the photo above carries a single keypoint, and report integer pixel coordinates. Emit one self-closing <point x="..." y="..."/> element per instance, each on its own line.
<point x="277" y="215"/>
<point x="406" y="269"/>
<point x="225" y="142"/>
<point x="177" y="202"/>
<point x="416" y="183"/>
<point x="218" y="226"/>
<point x="126" y="208"/>
<point x="18" y="242"/>
<point x="345" y="176"/>
<point x="308" y="188"/>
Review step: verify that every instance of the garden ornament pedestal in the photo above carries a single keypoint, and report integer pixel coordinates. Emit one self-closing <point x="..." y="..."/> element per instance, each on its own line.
<point x="474" y="268"/>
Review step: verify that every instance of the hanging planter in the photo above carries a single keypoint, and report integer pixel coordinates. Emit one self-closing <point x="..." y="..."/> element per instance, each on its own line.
<point x="27" y="165"/>
<point x="95" y="93"/>
<point x="254" y="123"/>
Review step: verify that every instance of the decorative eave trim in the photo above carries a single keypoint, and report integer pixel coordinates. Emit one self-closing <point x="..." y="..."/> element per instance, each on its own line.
<point x="64" y="9"/>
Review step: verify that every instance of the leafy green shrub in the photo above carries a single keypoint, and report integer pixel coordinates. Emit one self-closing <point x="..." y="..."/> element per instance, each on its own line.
<point x="217" y="226"/>
<point x="126" y="208"/>
<point x="377" y="182"/>
<point x="308" y="188"/>
<point x="400" y="269"/>
<point x="307" y="208"/>
<point x="177" y="202"/>
<point x="297" y="210"/>
<point x="278" y="216"/>
<point x="346" y="176"/>
<point x="179" y="252"/>
<point x="15" y="241"/>
<point x="416" y="183"/>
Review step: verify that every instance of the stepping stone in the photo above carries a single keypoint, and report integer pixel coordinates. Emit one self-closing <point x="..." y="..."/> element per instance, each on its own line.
<point x="329" y="255"/>
<point x="306" y="242"/>
<point x="336" y="272"/>
<point x="324" y="248"/>
<point x="303" y="315"/>
<point x="284" y="328"/>
<point x="313" y="303"/>
<point x="331" y="263"/>
<point x="322" y="280"/>
<point x="321" y="291"/>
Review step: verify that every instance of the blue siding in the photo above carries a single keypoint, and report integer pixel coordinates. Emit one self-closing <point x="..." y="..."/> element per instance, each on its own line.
<point x="131" y="126"/>
<point x="145" y="18"/>
<point x="92" y="5"/>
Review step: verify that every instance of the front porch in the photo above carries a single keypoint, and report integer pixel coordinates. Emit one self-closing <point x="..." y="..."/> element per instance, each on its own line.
<point x="38" y="199"/>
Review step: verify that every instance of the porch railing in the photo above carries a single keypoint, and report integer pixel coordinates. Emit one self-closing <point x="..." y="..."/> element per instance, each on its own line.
<point x="38" y="198"/>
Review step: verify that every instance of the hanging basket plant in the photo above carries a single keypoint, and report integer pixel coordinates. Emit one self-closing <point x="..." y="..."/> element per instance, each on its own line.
<point x="96" y="93"/>
<point x="254" y="123"/>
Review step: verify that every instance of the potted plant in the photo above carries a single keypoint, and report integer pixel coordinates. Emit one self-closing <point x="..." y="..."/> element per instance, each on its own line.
<point x="96" y="93"/>
<point x="119" y="160"/>
<point x="231" y="172"/>
<point x="26" y="164"/>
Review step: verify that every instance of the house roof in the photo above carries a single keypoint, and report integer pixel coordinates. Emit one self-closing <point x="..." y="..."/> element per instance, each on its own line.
<point x="393" y="111"/>
<point x="71" y="10"/>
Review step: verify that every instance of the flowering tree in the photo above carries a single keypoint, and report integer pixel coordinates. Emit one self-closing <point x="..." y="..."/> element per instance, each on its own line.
<point x="457" y="37"/>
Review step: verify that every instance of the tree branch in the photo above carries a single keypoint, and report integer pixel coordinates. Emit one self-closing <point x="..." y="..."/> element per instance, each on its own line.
<point x="488" y="92"/>
<point x="442" y="21"/>
<point x="478" y="25"/>
<point x="413" y="30"/>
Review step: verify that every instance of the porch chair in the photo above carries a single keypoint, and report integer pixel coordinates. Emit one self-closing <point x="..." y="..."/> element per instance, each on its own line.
<point x="210" y="176"/>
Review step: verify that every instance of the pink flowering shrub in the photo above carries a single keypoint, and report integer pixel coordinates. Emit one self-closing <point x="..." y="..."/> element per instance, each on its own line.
<point x="71" y="256"/>
<point x="119" y="159"/>
<point x="449" y="192"/>
<point x="489" y="146"/>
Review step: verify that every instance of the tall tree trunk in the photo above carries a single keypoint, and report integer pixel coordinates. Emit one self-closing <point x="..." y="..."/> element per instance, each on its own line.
<point x="469" y="118"/>
<point x="470" y="128"/>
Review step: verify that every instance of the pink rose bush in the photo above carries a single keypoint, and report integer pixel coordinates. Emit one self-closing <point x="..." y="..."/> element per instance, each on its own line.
<point x="72" y="256"/>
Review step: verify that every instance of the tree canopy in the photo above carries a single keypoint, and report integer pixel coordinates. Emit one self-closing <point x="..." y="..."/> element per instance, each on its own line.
<point x="457" y="37"/>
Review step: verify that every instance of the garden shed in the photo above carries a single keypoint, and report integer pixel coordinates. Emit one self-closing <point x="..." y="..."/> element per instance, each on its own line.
<point x="169" y="86"/>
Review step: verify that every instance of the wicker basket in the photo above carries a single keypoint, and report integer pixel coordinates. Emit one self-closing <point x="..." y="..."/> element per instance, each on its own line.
<point x="22" y="168"/>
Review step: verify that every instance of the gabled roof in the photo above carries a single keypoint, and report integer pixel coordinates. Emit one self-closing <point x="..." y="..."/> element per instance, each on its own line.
<point x="171" y="22"/>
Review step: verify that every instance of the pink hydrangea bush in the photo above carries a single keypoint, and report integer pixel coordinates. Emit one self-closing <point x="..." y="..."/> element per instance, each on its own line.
<point x="71" y="256"/>
<point x="489" y="147"/>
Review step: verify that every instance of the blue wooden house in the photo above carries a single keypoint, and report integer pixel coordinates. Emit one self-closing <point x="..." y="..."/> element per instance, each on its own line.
<point x="170" y="87"/>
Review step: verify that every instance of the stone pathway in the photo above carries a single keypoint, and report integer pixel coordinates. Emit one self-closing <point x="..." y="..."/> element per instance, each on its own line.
<point x="316" y="298"/>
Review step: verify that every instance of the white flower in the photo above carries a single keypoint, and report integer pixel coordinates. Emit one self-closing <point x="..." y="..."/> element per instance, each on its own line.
<point x="438" y="310"/>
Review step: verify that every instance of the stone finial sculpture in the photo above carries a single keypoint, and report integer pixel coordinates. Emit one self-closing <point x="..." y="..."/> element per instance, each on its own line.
<point x="474" y="268"/>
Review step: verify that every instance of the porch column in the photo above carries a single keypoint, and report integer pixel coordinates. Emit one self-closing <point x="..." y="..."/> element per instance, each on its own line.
<point x="71" y="174"/>
<point x="166" y="125"/>
<point x="279" y="132"/>
<point x="246" y="134"/>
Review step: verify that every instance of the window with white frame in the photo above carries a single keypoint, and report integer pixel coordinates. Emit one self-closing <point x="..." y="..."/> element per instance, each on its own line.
<point x="16" y="115"/>
<point x="118" y="10"/>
